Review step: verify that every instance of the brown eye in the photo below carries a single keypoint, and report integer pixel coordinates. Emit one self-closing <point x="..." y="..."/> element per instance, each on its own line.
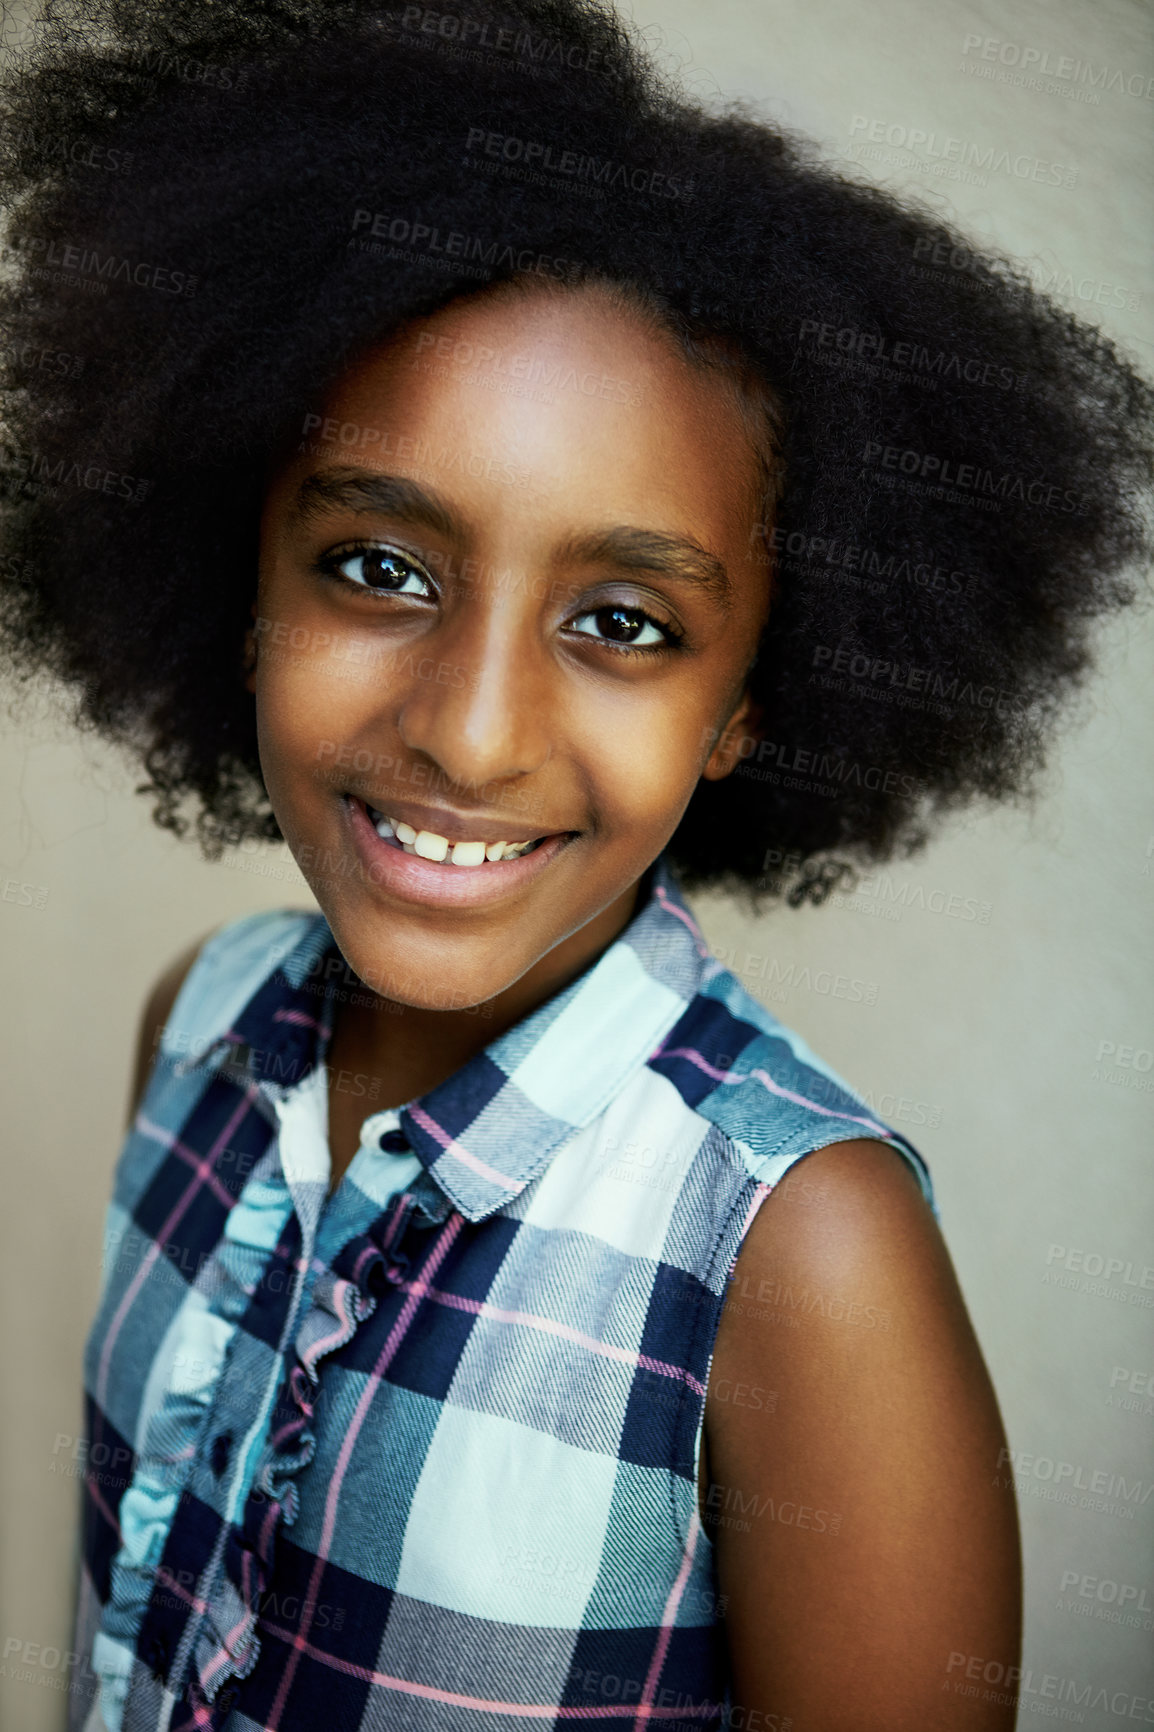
<point x="626" y="625"/>
<point x="373" y="567"/>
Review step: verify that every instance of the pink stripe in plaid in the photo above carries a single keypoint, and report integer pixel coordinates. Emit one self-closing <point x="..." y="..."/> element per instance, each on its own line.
<point x="189" y="1156"/>
<point x="685" y="917"/>
<point x="396" y="1335"/>
<point x="203" y="1171"/>
<point x="298" y="1018"/>
<point x="485" y="1704"/>
<point x="645" y="1708"/>
<point x="550" y="1326"/>
<point x="459" y="1152"/>
<point x="763" y="1077"/>
<point x="98" y="1500"/>
<point x="166" y="1579"/>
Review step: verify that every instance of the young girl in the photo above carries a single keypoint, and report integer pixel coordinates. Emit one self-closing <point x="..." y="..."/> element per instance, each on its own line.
<point x="435" y="442"/>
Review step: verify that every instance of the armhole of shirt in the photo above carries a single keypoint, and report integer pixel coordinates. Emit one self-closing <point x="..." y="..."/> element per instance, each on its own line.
<point x="772" y="1170"/>
<point x="229" y="968"/>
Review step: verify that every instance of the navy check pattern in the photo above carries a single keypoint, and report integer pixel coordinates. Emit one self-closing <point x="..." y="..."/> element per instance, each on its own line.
<point x="423" y="1454"/>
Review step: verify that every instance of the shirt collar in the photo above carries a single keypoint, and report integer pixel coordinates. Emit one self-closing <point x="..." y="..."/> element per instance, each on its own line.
<point x="488" y="1130"/>
<point x="491" y="1128"/>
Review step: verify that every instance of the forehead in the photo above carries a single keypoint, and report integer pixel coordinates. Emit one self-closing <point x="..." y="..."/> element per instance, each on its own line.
<point x="581" y="402"/>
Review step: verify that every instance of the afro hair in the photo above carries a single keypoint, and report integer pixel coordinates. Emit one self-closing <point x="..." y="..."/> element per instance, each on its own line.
<point x="213" y="205"/>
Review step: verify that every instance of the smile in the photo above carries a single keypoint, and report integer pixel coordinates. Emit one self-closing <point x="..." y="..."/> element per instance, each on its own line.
<point x="429" y="870"/>
<point x="430" y="846"/>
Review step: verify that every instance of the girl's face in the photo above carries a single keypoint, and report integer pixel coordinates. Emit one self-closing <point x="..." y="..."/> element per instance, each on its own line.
<point x="509" y="591"/>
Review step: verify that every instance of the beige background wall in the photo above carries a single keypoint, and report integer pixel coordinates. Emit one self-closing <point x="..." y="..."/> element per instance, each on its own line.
<point x="982" y="1041"/>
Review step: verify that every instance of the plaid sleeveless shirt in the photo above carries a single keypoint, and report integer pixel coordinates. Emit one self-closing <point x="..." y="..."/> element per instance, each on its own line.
<point x="423" y="1455"/>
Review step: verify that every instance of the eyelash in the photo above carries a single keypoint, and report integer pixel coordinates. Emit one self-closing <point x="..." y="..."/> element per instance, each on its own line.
<point x="328" y="567"/>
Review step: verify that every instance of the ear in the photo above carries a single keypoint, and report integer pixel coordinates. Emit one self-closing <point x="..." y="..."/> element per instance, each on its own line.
<point x="250" y="652"/>
<point x="742" y="728"/>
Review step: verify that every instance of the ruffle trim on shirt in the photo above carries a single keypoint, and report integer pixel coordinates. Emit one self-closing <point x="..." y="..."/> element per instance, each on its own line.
<point x="341" y="1299"/>
<point x="197" y="1352"/>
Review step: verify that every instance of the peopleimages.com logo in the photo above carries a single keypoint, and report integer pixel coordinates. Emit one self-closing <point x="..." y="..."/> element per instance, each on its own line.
<point x="1044" y="63"/>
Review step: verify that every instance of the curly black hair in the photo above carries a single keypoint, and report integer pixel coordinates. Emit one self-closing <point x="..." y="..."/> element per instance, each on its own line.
<point x="213" y="205"/>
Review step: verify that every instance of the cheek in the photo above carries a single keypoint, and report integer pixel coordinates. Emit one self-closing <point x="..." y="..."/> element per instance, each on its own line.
<point x="647" y="758"/>
<point x="305" y="713"/>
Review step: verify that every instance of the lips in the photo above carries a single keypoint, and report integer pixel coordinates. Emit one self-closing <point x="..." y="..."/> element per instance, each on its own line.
<point x="412" y="876"/>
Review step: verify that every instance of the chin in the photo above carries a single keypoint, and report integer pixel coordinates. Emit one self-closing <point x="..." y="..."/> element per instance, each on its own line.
<point x="426" y="984"/>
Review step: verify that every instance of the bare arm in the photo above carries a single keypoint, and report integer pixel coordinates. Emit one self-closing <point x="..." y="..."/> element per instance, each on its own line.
<point x="864" y="1539"/>
<point x="153" y="1019"/>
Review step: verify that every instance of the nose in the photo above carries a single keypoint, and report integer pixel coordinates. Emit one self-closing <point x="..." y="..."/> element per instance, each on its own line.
<point x="484" y="711"/>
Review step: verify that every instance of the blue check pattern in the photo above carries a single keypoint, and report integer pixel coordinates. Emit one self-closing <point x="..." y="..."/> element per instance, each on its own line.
<point x="423" y="1455"/>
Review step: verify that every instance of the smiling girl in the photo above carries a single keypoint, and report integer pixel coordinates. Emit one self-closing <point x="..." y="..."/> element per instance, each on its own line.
<point x="505" y="1318"/>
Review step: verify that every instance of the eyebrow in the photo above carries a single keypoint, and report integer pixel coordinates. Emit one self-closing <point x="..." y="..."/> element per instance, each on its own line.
<point x="347" y="488"/>
<point x="350" y="489"/>
<point x="675" y="556"/>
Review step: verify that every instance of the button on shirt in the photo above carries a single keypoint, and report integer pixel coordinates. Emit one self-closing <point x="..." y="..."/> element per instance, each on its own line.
<point x="423" y="1454"/>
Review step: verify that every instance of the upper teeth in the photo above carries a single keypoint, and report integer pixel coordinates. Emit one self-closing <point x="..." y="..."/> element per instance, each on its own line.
<point x="430" y="846"/>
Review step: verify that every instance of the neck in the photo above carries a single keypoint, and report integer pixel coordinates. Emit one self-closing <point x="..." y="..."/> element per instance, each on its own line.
<point x="407" y="1050"/>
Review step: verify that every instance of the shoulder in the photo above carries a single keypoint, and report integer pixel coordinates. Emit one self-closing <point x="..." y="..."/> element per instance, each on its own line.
<point x="229" y="966"/>
<point x="843" y="1261"/>
<point x="772" y="1096"/>
<point x="850" y="1214"/>
<point x="200" y="992"/>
